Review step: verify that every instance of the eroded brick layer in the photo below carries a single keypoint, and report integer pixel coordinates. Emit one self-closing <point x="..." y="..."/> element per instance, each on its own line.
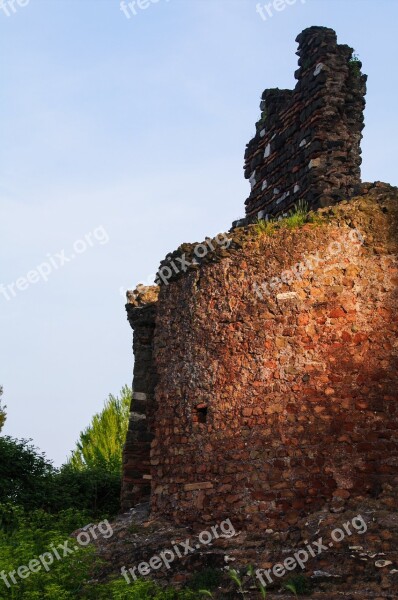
<point x="307" y="143"/>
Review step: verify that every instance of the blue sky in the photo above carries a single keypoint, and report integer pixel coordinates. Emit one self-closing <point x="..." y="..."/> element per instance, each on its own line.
<point x="132" y="131"/>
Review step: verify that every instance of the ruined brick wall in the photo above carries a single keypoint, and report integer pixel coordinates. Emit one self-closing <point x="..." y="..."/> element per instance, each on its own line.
<point x="307" y="143"/>
<point x="265" y="378"/>
<point x="270" y="407"/>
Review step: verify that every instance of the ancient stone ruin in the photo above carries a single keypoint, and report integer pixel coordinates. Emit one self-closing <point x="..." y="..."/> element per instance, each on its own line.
<point x="265" y="376"/>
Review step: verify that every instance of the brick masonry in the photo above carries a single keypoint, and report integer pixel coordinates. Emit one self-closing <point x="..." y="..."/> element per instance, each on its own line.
<point x="136" y="483"/>
<point x="307" y="143"/>
<point x="276" y="370"/>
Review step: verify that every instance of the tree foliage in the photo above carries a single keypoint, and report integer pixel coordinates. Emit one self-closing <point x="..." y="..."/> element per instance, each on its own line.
<point x="33" y="534"/>
<point x="25" y="474"/>
<point x="29" y="480"/>
<point x="90" y="481"/>
<point x="95" y="490"/>
<point x="100" y="444"/>
<point x="2" y="410"/>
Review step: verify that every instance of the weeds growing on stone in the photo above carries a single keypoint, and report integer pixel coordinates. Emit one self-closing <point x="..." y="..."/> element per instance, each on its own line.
<point x="296" y="218"/>
<point x="208" y="579"/>
<point x="264" y="227"/>
<point x="246" y="581"/>
<point x="299" y="585"/>
<point x="234" y="575"/>
<point x="291" y="588"/>
<point x="355" y="65"/>
<point x="241" y="583"/>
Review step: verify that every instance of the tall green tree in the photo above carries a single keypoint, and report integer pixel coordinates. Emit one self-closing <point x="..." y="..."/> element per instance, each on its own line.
<point x="2" y="410"/>
<point x="100" y="444"/>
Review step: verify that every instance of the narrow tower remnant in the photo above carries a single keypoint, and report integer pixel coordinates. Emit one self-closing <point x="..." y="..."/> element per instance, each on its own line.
<point x="307" y="143"/>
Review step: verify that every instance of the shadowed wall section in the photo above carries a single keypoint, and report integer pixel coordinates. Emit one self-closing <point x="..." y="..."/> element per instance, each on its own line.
<point x="136" y="484"/>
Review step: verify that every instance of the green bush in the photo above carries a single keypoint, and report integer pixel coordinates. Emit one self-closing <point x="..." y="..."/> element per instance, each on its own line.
<point x="29" y="480"/>
<point x="25" y="474"/>
<point x="34" y="534"/>
<point x="144" y="590"/>
<point x="25" y="536"/>
<point x="94" y="490"/>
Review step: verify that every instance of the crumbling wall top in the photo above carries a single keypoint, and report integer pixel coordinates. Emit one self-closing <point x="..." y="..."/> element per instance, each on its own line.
<point x="307" y="143"/>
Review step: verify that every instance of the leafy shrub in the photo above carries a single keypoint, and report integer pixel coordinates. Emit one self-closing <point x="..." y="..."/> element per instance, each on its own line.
<point x="29" y="480"/>
<point x="95" y="490"/>
<point x="138" y="590"/>
<point x="25" y="474"/>
<point x="32" y="535"/>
